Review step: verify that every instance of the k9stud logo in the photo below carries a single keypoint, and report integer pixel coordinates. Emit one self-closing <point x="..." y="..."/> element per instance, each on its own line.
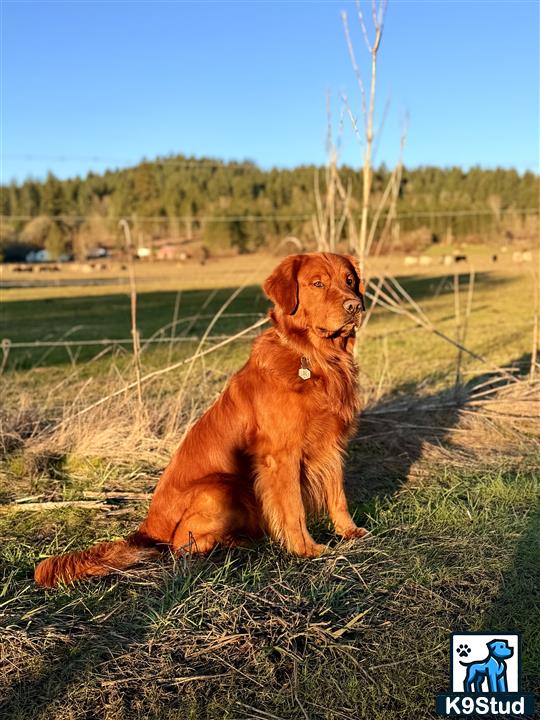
<point x="484" y="663"/>
<point x="485" y="677"/>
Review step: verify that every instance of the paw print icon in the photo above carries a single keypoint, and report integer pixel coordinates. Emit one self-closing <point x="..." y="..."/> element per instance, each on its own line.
<point x="463" y="650"/>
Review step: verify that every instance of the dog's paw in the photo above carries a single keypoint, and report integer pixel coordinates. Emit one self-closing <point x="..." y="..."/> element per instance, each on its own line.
<point x="356" y="532"/>
<point x="463" y="650"/>
<point x="313" y="550"/>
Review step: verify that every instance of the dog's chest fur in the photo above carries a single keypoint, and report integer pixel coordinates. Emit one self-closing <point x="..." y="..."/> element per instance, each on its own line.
<point x="336" y="418"/>
<point x="329" y="397"/>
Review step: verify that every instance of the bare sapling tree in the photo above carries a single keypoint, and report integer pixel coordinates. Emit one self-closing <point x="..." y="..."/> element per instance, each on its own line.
<point x="332" y="210"/>
<point x="378" y="11"/>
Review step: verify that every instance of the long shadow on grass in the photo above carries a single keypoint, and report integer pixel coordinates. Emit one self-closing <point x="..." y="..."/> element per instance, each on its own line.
<point x="391" y="438"/>
<point x="393" y="434"/>
<point x="59" y="666"/>
<point x="70" y="640"/>
<point x="517" y="606"/>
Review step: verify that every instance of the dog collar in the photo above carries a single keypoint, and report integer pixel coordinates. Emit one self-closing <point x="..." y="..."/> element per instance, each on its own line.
<point x="303" y="371"/>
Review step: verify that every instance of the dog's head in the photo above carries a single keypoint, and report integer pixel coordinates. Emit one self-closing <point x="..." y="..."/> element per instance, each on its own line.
<point x="500" y="649"/>
<point x="319" y="291"/>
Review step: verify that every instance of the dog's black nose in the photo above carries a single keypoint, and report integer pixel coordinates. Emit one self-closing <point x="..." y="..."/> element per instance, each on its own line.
<point x="352" y="306"/>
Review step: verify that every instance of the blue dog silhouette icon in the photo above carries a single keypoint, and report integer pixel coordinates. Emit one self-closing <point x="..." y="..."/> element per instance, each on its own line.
<point x="493" y="668"/>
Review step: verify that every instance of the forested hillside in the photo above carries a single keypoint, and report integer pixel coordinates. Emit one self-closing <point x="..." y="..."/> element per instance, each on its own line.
<point x="239" y="205"/>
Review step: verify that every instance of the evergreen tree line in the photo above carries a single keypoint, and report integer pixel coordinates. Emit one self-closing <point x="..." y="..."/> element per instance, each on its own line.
<point x="239" y="205"/>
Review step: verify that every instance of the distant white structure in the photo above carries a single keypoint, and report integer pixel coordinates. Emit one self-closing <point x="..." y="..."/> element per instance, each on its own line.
<point x="410" y="260"/>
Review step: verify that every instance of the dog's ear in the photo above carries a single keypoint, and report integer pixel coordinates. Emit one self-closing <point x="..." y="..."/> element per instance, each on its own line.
<point x="282" y="285"/>
<point x="359" y="286"/>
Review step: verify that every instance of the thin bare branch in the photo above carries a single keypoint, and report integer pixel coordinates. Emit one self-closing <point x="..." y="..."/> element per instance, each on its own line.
<point x="354" y="63"/>
<point x="353" y="120"/>
<point x="162" y="371"/>
<point x="363" y="26"/>
<point x="389" y="303"/>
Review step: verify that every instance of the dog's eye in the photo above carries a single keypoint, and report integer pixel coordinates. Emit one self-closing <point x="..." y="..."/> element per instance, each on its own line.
<point x="318" y="283"/>
<point x="349" y="281"/>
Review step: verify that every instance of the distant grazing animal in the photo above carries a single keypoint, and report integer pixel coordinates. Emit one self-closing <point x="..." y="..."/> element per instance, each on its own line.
<point x="492" y="669"/>
<point x="519" y="256"/>
<point x="460" y="258"/>
<point x="270" y="448"/>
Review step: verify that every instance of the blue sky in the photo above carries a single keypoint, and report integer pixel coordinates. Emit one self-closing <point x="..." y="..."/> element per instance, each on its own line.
<point x="90" y="85"/>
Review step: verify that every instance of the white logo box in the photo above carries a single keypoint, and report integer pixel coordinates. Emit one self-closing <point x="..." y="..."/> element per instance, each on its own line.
<point x="477" y="644"/>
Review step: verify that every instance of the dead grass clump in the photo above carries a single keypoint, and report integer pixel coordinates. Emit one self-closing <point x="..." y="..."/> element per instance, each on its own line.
<point x="405" y="439"/>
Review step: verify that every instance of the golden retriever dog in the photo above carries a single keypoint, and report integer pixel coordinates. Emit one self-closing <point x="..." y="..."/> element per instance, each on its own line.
<point x="270" y="450"/>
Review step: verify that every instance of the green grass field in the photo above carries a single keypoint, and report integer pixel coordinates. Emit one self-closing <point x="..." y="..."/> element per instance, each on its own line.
<point x="446" y="476"/>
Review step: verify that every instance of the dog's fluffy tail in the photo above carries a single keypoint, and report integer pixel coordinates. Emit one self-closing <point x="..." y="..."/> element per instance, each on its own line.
<point x="100" y="559"/>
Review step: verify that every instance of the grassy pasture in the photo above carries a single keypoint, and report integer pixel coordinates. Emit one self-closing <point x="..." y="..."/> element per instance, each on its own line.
<point x="448" y="485"/>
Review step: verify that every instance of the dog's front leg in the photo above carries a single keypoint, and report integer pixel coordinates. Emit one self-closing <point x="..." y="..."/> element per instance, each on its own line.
<point x="330" y="473"/>
<point x="277" y="488"/>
